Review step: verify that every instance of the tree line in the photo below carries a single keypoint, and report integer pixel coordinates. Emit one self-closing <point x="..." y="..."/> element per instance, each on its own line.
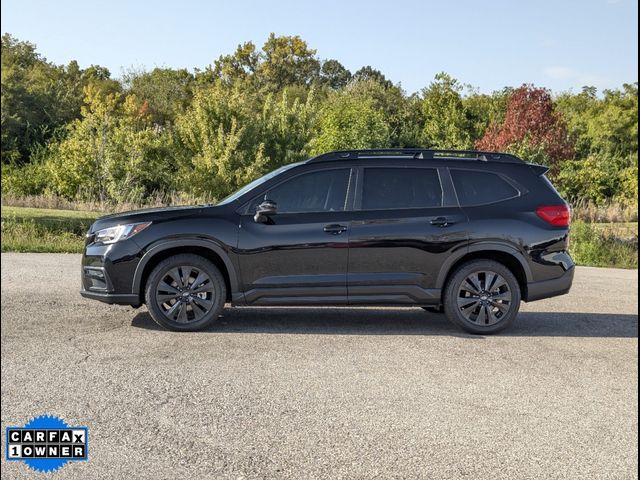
<point x="83" y="135"/>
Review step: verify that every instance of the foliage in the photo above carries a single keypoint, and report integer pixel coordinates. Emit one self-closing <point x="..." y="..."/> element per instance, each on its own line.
<point x="531" y="129"/>
<point x="446" y="121"/>
<point x="167" y="93"/>
<point x="334" y="75"/>
<point x="600" y="177"/>
<point x="483" y="110"/>
<point x="401" y="114"/>
<point x="113" y="152"/>
<point x="30" y="179"/>
<point x="38" y="97"/>
<point x="350" y="123"/>
<point x="602" y="247"/>
<point x="283" y="61"/>
<point x="170" y="133"/>
<point x="605" y="132"/>
<point x="226" y="140"/>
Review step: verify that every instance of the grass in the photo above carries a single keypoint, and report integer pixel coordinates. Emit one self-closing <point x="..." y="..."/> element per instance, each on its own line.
<point x="44" y="230"/>
<point x="621" y="230"/>
<point x="47" y="230"/>
<point x="609" y="212"/>
<point x="604" y="245"/>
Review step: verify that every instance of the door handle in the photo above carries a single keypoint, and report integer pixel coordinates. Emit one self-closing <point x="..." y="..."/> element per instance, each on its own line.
<point x="335" y="229"/>
<point x="441" y="222"/>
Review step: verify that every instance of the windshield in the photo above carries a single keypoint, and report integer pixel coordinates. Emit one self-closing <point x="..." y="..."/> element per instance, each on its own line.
<point x="255" y="183"/>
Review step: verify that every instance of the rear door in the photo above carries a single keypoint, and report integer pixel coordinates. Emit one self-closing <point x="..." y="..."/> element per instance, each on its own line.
<point x="406" y="223"/>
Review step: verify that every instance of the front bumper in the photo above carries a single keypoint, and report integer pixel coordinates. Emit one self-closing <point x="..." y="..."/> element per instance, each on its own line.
<point x="113" y="298"/>
<point x="550" y="288"/>
<point x="107" y="272"/>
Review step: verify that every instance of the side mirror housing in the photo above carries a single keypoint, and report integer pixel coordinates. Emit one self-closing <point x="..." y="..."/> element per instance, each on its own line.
<point x="265" y="210"/>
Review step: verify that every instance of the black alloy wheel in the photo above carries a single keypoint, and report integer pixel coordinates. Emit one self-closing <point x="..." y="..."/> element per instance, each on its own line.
<point x="482" y="296"/>
<point x="185" y="292"/>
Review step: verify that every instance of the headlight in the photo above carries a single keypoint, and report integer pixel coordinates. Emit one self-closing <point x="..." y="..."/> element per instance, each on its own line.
<point x="119" y="232"/>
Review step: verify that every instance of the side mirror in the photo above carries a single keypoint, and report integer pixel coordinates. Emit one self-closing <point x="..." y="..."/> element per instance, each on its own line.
<point x="265" y="210"/>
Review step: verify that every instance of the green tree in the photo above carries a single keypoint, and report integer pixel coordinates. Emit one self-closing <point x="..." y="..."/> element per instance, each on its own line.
<point x="369" y="73"/>
<point x="287" y="61"/>
<point x="219" y="139"/>
<point x="605" y="132"/>
<point x="167" y="92"/>
<point x="578" y="111"/>
<point x="287" y="127"/>
<point x="112" y="153"/>
<point x="238" y="67"/>
<point x="401" y="113"/>
<point x="614" y="128"/>
<point x="446" y="122"/>
<point x="350" y="123"/>
<point x="38" y="97"/>
<point x="484" y="109"/>
<point x="334" y="75"/>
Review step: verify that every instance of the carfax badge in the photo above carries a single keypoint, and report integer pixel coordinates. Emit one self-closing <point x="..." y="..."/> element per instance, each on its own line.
<point x="46" y="443"/>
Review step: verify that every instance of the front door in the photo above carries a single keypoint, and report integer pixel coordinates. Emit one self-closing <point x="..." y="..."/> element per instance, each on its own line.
<point x="300" y="255"/>
<point x="402" y="231"/>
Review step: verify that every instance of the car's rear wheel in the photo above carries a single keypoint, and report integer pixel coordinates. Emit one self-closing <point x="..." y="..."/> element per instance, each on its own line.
<point x="482" y="297"/>
<point x="185" y="292"/>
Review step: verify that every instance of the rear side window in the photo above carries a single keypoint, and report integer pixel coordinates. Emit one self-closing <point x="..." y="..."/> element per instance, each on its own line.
<point x="401" y="188"/>
<point x="477" y="188"/>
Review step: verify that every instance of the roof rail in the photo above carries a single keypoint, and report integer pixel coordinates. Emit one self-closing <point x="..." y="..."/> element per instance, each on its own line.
<point x="417" y="153"/>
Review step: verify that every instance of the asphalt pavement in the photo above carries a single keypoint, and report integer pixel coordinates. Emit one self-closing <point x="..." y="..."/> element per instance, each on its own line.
<point x="325" y="392"/>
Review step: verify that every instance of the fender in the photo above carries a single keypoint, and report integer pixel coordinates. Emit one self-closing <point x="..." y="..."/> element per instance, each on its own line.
<point x="185" y="242"/>
<point x="483" y="247"/>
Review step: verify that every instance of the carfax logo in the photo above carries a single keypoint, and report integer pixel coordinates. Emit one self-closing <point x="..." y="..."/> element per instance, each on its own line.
<point x="46" y="443"/>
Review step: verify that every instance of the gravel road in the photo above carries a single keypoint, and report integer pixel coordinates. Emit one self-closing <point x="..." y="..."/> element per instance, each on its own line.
<point x="325" y="392"/>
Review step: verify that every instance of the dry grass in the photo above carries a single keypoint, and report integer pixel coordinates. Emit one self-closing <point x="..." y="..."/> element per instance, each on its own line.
<point x="611" y="212"/>
<point x="59" y="203"/>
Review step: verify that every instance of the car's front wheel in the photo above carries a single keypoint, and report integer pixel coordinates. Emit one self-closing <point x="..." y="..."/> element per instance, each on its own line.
<point x="482" y="297"/>
<point x="185" y="292"/>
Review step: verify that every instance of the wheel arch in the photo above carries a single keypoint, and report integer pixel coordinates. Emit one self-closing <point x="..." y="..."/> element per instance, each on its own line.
<point x="507" y="255"/>
<point x="204" y="248"/>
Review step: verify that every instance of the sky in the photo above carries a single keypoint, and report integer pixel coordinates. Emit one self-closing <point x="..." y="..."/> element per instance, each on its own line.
<point x="490" y="44"/>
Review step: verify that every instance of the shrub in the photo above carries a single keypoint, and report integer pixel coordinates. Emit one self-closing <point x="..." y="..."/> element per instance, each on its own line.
<point x="602" y="247"/>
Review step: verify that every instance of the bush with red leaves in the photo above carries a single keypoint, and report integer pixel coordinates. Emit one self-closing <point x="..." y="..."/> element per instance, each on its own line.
<point x="530" y="124"/>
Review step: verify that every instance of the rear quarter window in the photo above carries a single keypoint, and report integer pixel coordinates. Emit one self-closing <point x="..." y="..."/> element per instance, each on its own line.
<point x="478" y="188"/>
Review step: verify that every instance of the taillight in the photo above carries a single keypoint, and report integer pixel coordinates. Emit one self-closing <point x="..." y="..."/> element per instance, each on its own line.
<point x="556" y="215"/>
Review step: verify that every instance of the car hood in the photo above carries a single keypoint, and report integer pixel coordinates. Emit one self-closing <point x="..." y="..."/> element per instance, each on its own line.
<point x="151" y="215"/>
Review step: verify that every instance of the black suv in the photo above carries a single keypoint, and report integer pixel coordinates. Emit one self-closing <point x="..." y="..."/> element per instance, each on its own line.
<point x="471" y="233"/>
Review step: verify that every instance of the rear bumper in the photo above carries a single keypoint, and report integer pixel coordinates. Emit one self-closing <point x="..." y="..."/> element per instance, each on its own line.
<point x="550" y="288"/>
<point x="113" y="298"/>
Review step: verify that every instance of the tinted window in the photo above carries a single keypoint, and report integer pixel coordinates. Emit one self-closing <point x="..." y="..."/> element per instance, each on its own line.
<point x="476" y="188"/>
<point x="324" y="191"/>
<point x="401" y="188"/>
<point x="255" y="183"/>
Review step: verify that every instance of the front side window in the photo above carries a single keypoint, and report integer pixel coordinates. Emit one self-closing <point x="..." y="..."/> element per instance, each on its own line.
<point x="322" y="191"/>
<point x="477" y="188"/>
<point x="398" y="188"/>
<point x="259" y="181"/>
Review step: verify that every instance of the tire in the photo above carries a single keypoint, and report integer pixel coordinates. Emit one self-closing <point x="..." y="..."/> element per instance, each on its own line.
<point x="482" y="297"/>
<point x="174" y="299"/>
